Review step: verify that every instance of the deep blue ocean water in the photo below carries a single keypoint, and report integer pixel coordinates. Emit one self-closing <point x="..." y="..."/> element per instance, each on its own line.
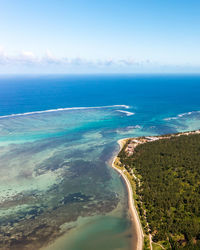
<point x="55" y="173"/>
<point x="153" y="94"/>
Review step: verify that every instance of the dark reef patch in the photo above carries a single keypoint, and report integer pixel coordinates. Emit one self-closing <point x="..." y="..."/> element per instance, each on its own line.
<point x="76" y="197"/>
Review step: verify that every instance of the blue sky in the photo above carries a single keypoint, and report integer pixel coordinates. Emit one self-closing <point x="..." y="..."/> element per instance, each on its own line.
<point x="99" y="36"/>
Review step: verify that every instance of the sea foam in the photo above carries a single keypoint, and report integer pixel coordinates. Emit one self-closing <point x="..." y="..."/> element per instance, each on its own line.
<point x="126" y="112"/>
<point x="64" y="109"/>
<point x="181" y="115"/>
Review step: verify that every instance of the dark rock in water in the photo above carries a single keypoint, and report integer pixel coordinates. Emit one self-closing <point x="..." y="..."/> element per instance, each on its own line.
<point x="76" y="197"/>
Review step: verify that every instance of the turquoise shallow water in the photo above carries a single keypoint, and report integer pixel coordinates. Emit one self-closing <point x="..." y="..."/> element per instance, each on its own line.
<point x="57" y="190"/>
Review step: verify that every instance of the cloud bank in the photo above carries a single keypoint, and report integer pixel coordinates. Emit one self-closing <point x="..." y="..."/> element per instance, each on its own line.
<point x="28" y="62"/>
<point x="28" y="58"/>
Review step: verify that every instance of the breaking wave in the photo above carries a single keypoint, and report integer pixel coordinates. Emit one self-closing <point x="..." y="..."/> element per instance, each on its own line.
<point x="65" y="109"/>
<point x="181" y="115"/>
<point x="126" y="112"/>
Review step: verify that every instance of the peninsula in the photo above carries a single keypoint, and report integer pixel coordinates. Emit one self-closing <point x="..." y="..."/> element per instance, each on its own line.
<point x="162" y="178"/>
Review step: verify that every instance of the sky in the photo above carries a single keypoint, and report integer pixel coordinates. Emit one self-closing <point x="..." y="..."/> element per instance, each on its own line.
<point x="99" y="36"/>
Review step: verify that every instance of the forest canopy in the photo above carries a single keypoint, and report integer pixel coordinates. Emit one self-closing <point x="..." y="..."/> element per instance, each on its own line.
<point x="169" y="171"/>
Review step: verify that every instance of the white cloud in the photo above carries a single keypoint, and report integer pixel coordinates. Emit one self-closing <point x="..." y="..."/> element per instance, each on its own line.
<point x="1" y="50"/>
<point x="28" y="54"/>
<point x="27" y="61"/>
<point x="28" y="57"/>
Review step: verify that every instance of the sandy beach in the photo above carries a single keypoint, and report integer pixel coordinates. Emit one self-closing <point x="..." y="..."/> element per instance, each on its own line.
<point x="133" y="211"/>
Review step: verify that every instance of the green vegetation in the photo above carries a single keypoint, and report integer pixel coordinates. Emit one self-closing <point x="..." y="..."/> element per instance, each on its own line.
<point x="156" y="247"/>
<point x="169" y="189"/>
<point x="146" y="245"/>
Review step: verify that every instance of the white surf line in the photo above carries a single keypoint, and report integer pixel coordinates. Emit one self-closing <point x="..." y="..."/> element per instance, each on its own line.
<point x="134" y="127"/>
<point x="62" y="109"/>
<point x="126" y="112"/>
<point x="180" y="115"/>
<point x="134" y="213"/>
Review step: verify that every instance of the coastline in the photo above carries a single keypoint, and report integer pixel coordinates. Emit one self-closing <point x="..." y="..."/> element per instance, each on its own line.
<point x="132" y="143"/>
<point x="134" y="214"/>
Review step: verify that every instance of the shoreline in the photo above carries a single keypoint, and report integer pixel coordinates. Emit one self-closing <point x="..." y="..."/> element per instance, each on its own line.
<point x="134" y="214"/>
<point x="130" y="148"/>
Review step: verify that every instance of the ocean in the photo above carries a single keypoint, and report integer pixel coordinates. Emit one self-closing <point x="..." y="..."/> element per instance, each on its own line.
<point x="58" y="135"/>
